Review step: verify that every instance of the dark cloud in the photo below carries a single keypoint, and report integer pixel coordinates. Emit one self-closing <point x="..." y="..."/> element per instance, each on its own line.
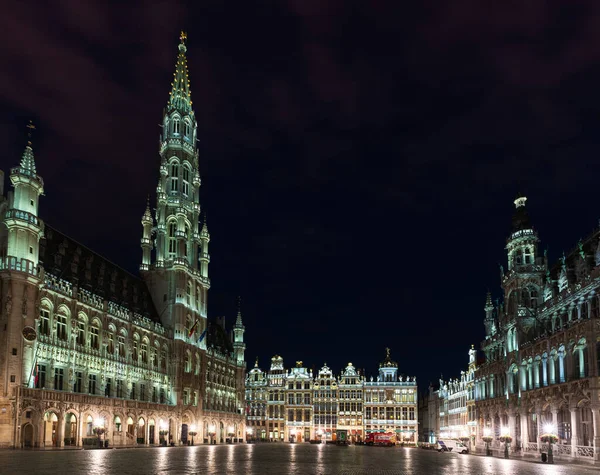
<point x="359" y="159"/>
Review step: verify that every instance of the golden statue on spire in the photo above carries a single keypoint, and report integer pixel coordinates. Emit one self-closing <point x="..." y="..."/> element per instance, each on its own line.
<point x="183" y="36"/>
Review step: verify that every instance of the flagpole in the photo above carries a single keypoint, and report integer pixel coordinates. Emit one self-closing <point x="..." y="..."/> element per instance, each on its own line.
<point x="34" y="364"/>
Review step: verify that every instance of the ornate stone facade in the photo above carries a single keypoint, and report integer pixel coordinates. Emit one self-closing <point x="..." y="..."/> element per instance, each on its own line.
<point x="301" y="407"/>
<point x="541" y="349"/>
<point x="89" y="348"/>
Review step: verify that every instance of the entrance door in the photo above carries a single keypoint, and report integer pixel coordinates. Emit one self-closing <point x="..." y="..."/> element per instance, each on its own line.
<point x="184" y="433"/>
<point x="151" y="434"/>
<point x="27" y="435"/>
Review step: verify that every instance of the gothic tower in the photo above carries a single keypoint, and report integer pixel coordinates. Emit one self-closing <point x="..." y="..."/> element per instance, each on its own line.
<point x="19" y="269"/>
<point x="177" y="270"/>
<point x="523" y="283"/>
<point x="239" y="347"/>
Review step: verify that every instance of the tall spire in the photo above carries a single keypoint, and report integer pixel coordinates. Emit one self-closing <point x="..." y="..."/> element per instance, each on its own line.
<point x="180" y="95"/>
<point x="238" y="321"/>
<point x="27" y="161"/>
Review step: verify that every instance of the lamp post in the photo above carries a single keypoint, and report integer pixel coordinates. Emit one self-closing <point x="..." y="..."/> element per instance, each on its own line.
<point x="212" y="432"/>
<point x="193" y="432"/>
<point x="550" y="437"/>
<point x="99" y="430"/>
<point x="320" y="434"/>
<point x="487" y="438"/>
<point x="163" y="433"/>
<point x="230" y="433"/>
<point x="248" y="434"/>
<point x="506" y="438"/>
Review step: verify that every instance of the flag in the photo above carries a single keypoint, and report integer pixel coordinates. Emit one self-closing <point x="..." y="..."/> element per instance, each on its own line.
<point x="191" y="332"/>
<point x="35" y="376"/>
<point x="201" y="337"/>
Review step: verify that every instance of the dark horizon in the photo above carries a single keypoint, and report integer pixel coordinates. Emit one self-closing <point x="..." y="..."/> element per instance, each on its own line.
<point x="359" y="163"/>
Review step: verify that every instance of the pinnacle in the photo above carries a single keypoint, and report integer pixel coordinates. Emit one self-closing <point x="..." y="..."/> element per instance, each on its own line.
<point x="180" y="95"/>
<point x="27" y="161"/>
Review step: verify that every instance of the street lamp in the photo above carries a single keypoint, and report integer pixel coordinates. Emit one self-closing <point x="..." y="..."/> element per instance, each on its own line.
<point x="163" y="433"/>
<point x="248" y="434"/>
<point x="487" y="438"/>
<point x="99" y="430"/>
<point x="212" y="432"/>
<point x="550" y="437"/>
<point x="506" y="438"/>
<point x="230" y="433"/>
<point x="320" y="434"/>
<point x="193" y="432"/>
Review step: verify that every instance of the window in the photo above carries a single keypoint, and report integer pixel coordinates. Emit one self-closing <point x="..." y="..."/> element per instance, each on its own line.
<point x="121" y="343"/>
<point x="108" y="388"/>
<point x="174" y="177"/>
<point x="162" y="395"/>
<point x="119" y="388"/>
<point x="185" y="189"/>
<point x="134" y="354"/>
<point x="188" y="129"/>
<point x="77" y="386"/>
<point x="80" y="333"/>
<point x="92" y="384"/>
<point x="94" y="338"/>
<point x="155" y="394"/>
<point x="111" y="344"/>
<point x="188" y="295"/>
<point x="40" y="376"/>
<point x="144" y="353"/>
<point x="58" y="378"/>
<point x="176" y="123"/>
<point x="172" y="240"/>
<point x="117" y="424"/>
<point x="306" y="398"/>
<point x="142" y="392"/>
<point x="61" y="327"/>
<point x="44" y="324"/>
<point x="132" y="393"/>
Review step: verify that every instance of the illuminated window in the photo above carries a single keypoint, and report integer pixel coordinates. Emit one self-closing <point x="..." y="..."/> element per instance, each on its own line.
<point x="174" y="176"/>
<point x="172" y="240"/>
<point x="44" y="324"/>
<point x="94" y="337"/>
<point x="176" y="123"/>
<point x="185" y="189"/>
<point x="61" y="327"/>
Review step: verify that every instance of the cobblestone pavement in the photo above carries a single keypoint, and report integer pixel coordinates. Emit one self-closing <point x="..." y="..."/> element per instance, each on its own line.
<point x="268" y="459"/>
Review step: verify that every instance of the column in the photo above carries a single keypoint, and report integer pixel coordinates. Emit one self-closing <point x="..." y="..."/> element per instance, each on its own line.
<point x="581" y="363"/>
<point x="574" y="423"/>
<point x="596" y="422"/>
<point x="524" y="429"/>
<point x="512" y="427"/>
<point x="60" y="430"/>
<point x="544" y="372"/>
<point x="561" y="367"/>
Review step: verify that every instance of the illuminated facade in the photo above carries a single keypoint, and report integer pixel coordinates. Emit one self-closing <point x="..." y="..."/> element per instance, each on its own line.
<point x="301" y="408"/>
<point x="454" y="405"/>
<point x="391" y="403"/>
<point x="91" y="348"/>
<point x="256" y="403"/>
<point x="325" y="404"/>
<point x="541" y="348"/>
<point x="299" y="404"/>
<point x="350" y="403"/>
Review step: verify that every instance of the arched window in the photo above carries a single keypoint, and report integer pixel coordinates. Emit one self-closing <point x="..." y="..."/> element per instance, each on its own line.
<point x="121" y="344"/>
<point x="176" y="123"/>
<point x="188" y="129"/>
<point x="527" y="256"/>
<point x="174" y="176"/>
<point x="518" y="257"/>
<point x="185" y="188"/>
<point x="172" y="240"/>
<point x="533" y="298"/>
<point x="188" y="362"/>
<point x="134" y="353"/>
<point x="61" y="327"/>
<point x="144" y="351"/>
<point x="188" y="295"/>
<point x="44" y="324"/>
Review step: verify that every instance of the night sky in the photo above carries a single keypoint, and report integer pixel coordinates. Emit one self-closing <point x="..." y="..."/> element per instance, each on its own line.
<point x="359" y="161"/>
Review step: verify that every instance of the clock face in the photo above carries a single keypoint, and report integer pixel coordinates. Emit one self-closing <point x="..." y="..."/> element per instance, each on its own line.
<point x="29" y="333"/>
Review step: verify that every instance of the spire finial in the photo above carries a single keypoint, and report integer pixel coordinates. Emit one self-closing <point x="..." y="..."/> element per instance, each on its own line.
<point x="31" y="128"/>
<point x="256" y="363"/>
<point x="183" y="36"/>
<point x="180" y="96"/>
<point x="238" y="320"/>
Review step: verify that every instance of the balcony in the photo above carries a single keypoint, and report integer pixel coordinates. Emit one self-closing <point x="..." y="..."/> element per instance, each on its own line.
<point x="17" y="214"/>
<point x="19" y="265"/>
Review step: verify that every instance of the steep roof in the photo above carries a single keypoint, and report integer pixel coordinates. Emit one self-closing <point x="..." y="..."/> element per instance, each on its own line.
<point x="67" y="259"/>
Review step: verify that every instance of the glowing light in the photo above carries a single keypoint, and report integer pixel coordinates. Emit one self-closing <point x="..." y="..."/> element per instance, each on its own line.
<point x="504" y="431"/>
<point x="193" y="428"/>
<point x="249" y="430"/>
<point x="550" y="428"/>
<point x="211" y="429"/>
<point x="487" y="432"/>
<point x="100" y="422"/>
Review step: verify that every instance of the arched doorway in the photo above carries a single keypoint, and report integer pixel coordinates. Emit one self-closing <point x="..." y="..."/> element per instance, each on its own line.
<point x="151" y="431"/>
<point x="51" y="430"/>
<point x="130" y="431"/>
<point x="70" y="429"/>
<point x="141" y="434"/>
<point x="27" y="435"/>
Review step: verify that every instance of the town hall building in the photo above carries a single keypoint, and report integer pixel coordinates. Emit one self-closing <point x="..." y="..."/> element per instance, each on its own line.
<point x="87" y="348"/>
